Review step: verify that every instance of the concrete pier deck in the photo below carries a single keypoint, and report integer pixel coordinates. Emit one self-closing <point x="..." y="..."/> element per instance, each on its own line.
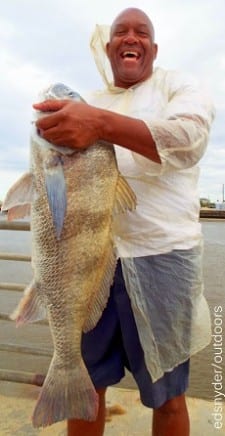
<point x="126" y="416"/>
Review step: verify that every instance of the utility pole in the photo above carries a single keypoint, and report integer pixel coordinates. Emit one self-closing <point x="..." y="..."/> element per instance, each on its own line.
<point x="223" y="193"/>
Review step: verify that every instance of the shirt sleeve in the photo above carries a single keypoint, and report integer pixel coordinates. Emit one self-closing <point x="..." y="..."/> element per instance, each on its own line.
<point x="181" y="134"/>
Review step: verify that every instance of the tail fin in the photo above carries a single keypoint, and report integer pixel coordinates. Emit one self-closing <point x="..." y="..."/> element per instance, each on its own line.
<point x="66" y="394"/>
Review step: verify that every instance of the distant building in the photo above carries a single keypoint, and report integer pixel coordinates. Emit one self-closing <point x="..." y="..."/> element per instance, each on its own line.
<point x="204" y="202"/>
<point x="220" y="206"/>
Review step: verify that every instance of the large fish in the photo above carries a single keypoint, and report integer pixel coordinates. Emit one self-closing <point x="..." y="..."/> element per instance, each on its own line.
<point x="74" y="196"/>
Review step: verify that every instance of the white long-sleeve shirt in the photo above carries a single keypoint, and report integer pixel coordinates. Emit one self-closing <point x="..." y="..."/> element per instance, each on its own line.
<point x="178" y="115"/>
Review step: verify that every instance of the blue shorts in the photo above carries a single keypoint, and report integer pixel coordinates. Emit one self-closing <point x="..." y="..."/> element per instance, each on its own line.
<point x="114" y="345"/>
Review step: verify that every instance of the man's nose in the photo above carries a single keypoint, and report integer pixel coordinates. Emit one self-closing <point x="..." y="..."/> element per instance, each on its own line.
<point x="130" y="37"/>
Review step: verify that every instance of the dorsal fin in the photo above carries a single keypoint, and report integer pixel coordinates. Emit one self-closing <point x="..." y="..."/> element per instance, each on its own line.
<point x="19" y="197"/>
<point x="100" y="298"/>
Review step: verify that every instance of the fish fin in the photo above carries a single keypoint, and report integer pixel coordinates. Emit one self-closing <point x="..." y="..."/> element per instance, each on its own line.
<point x="56" y="192"/>
<point x="18" y="212"/>
<point x="67" y="393"/>
<point x="19" y="197"/>
<point x="30" y="308"/>
<point x="125" y="197"/>
<point x="100" y="298"/>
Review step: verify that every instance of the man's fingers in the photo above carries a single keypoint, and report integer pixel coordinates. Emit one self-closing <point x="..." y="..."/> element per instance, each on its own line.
<point x="50" y="105"/>
<point x="51" y="135"/>
<point x="47" y="121"/>
<point x="53" y="107"/>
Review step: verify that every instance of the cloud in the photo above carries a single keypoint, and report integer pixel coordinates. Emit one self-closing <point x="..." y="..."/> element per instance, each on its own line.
<point x="44" y="41"/>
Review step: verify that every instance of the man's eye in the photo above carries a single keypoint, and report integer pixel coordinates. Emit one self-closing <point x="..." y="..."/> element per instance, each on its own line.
<point x="120" y="32"/>
<point x="142" y="33"/>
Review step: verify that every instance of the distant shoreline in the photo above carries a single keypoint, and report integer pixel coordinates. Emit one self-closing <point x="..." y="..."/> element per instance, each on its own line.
<point x="205" y="213"/>
<point x="212" y="213"/>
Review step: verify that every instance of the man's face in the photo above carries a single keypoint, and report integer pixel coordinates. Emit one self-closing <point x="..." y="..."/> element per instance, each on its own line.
<point x="131" y="49"/>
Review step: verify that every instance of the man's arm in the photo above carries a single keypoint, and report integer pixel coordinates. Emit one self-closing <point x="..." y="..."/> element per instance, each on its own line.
<point x="79" y="125"/>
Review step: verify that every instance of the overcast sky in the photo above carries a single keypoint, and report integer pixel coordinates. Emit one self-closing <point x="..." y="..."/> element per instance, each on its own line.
<point x="44" y="41"/>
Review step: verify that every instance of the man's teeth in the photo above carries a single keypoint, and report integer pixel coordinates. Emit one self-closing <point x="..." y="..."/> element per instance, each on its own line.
<point x="130" y="54"/>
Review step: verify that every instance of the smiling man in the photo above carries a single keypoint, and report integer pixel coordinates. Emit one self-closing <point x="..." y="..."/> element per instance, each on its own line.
<point x="131" y="49"/>
<point x="157" y="316"/>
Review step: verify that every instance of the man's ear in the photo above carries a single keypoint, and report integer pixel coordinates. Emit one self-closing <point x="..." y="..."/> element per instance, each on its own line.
<point x="155" y="50"/>
<point x="107" y="48"/>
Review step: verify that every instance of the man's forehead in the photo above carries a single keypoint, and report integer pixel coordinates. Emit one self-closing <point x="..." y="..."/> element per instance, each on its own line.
<point x="132" y="13"/>
<point x="127" y="21"/>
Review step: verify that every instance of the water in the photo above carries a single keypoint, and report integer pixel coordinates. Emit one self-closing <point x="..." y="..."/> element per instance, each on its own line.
<point x="214" y="231"/>
<point x="202" y="370"/>
<point x="15" y="242"/>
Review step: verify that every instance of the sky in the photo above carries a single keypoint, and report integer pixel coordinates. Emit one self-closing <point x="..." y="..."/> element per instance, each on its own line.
<point x="47" y="41"/>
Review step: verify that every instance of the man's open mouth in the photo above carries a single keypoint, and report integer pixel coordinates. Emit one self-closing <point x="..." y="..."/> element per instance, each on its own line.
<point x="130" y="54"/>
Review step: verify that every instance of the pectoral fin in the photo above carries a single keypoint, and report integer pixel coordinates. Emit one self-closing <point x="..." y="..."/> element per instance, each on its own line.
<point x="56" y="192"/>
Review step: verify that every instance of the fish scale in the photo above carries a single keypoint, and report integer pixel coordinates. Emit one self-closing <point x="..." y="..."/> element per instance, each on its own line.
<point x="73" y="197"/>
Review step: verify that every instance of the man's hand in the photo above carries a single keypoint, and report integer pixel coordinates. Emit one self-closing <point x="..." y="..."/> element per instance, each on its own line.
<point x="72" y="124"/>
<point x="78" y="125"/>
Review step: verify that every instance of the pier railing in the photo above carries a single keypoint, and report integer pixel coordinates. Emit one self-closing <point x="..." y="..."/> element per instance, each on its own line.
<point x="7" y="225"/>
<point x="13" y="348"/>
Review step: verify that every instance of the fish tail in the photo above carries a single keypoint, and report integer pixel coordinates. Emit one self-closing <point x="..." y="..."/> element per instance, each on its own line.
<point x="66" y="394"/>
